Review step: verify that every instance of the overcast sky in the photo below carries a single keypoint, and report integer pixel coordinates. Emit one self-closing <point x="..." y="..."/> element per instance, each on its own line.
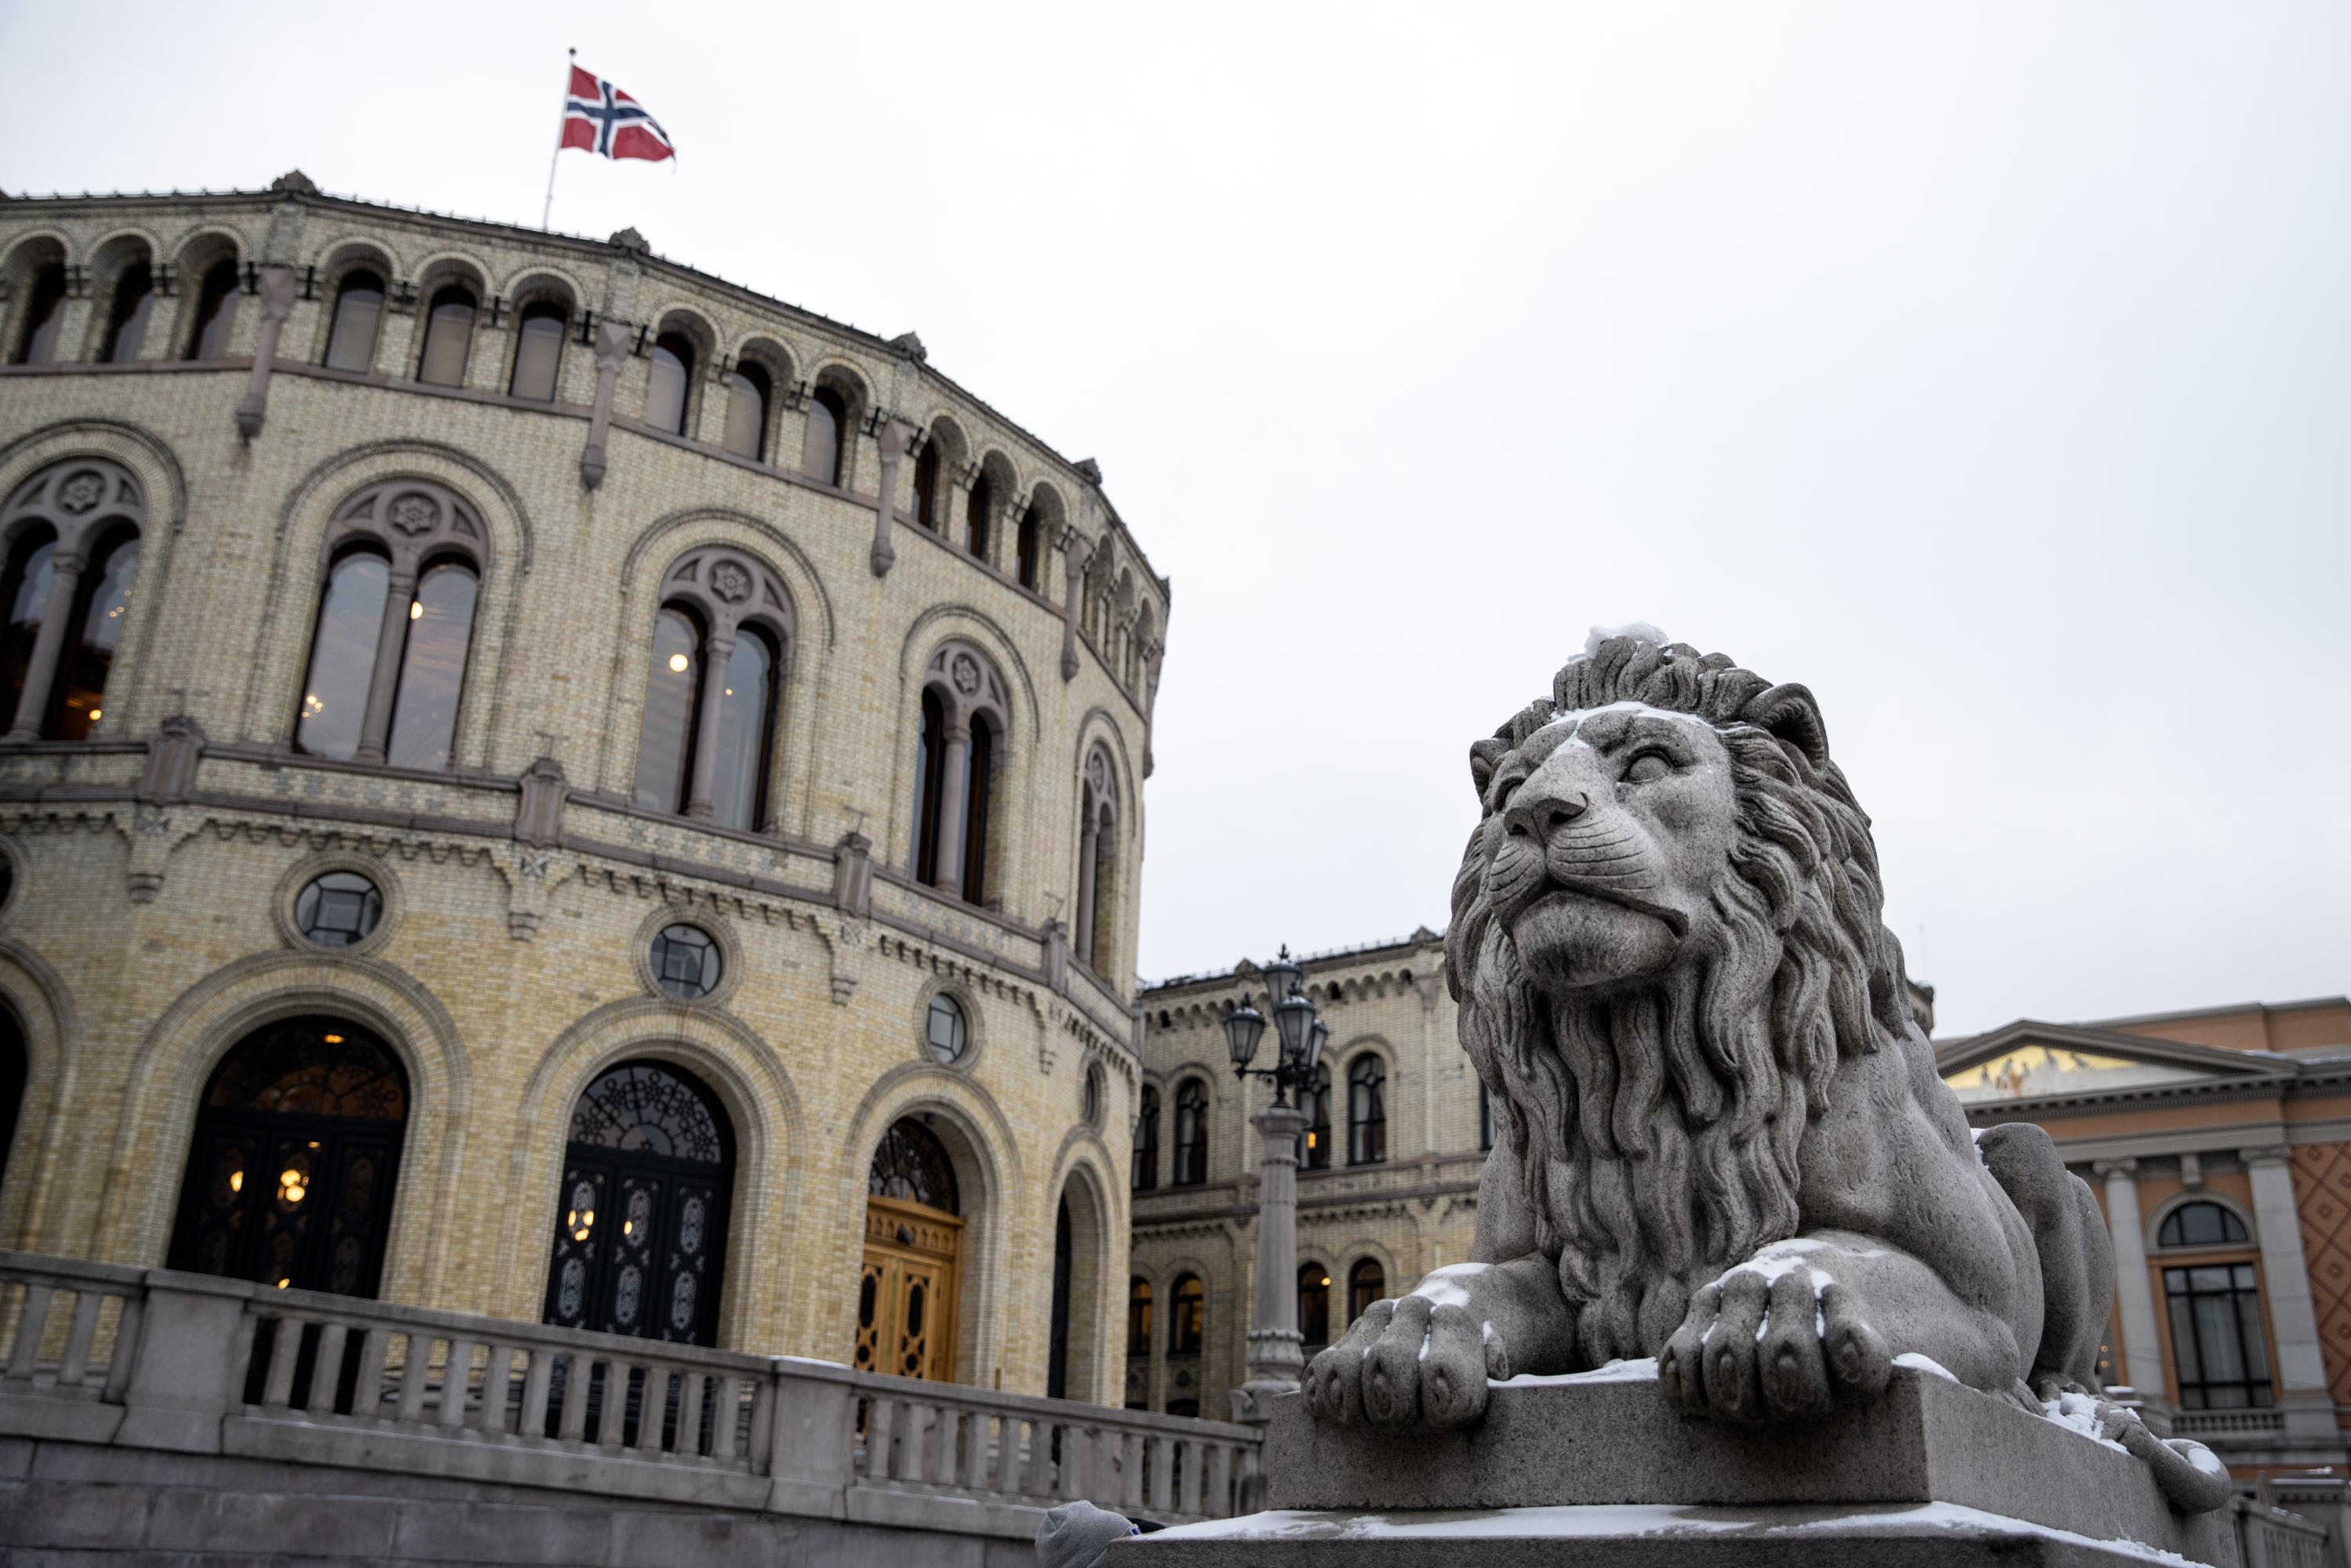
<point x="1985" y="367"/>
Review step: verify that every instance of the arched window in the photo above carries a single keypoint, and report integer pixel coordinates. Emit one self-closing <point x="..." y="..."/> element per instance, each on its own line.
<point x="906" y="1292"/>
<point x="747" y="411"/>
<point x="927" y="486"/>
<point x="74" y="531"/>
<point x="2202" y="1224"/>
<point x="215" y="313"/>
<point x="640" y="1232"/>
<point x="1191" y="1132"/>
<point x="539" y="351"/>
<point x="957" y="745"/>
<point x="2216" y="1337"/>
<point x="1138" y="1317"/>
<point x="1367" y="1110"/>
<point x="134" y="308"/>
<point x="976" y="511"/>
<point x="720" y="645"/>
<point x="45" y="316"/>
<point x="1366" y="1283"/>
<point x="1187" y="1320"/>
<point x="296" y="1149"/>
<point x="448" y="338"/>
<point x="1314" y="1099"/>
<point x="26" y="593"/>
<point x="15" y="1069"/>
<point x="358" y="305"/>
<point x="100" y="608"/>
<point x="342" y="657"/>
<point x="1097" y="838"/>
<point x="828" y="424"/>
<point x="666" y="383"/>
<point x="1314" y="1303"/>
<point x="395" y="626"/>
<point x="1057" y="1339"/>
<point x="1145" y="1174"/>
<point x="1028" y="549"/>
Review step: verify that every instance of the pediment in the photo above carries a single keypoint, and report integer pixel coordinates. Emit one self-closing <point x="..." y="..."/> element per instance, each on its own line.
<point x="2028" y="1061"/>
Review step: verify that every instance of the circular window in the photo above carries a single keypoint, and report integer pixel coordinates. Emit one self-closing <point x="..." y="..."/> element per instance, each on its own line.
<point x="337" y="909"/>
<point x="685" y="962"/>
<point x="945" y="1030"/>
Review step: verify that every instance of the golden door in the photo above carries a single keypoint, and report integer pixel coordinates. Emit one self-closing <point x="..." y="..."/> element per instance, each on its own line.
<point x="906" y="1291"/>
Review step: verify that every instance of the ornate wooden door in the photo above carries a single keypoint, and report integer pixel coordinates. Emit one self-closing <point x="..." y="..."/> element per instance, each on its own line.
<point x="906" y="1291"/>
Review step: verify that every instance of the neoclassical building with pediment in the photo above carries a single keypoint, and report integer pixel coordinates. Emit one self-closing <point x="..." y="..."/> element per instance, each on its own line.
<point x="540" y="783"/>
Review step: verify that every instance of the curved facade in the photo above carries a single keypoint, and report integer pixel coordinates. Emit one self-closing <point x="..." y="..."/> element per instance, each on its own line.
<point x="550" y="661"/>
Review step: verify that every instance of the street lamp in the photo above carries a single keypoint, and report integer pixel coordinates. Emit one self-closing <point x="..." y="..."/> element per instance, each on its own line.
<point x="1275" y="1358"/>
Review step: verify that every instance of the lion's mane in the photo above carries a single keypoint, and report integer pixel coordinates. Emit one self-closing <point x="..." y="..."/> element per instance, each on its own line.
<point x="1657" y="1127"/>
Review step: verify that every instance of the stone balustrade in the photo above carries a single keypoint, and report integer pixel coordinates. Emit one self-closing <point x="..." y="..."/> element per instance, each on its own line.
<point x="152" y="1359"/>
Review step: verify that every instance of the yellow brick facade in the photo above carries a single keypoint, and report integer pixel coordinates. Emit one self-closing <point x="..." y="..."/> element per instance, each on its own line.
<point x="147" y="927"/>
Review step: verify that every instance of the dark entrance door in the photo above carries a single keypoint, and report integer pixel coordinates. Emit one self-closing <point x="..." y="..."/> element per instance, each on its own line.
<point x="296" y="1149"/>
<point x="641" y="1224"/>
<point x="1057" y="1362"/>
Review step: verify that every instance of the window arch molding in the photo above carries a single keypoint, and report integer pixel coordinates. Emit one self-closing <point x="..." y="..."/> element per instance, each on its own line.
<point x="124" y="287"/>
<point x="735" y="608"/>
<point x="990" y="509"/>
<point x="345" y="259"/>
<point x="759" y="359"/>
<point x="1097" y="856"/>
<point x="680" y="323"/>
<point x="200" y="256"/>
<point x="2195" y="1195"/>
<point x="962" y="744"/>
<point x="414" y="525"/>
<point x="70" y="537"/>
<point x="844" y="391"/>
<point x="1366" y="1080"/>
<point x="940" y="477"/>
<point x="435" y="275"/>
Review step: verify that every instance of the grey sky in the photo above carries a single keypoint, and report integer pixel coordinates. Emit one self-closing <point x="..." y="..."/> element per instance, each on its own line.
<point x="1983" y="367"/>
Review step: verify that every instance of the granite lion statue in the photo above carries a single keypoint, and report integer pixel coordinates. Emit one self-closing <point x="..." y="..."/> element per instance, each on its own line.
<point x="1720" y="1139"/>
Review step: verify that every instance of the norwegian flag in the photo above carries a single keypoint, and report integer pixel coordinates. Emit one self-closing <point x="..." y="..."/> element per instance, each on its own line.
<point x="599" y="118"/>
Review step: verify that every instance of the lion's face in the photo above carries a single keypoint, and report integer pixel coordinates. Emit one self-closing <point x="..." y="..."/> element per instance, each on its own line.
<point x="1605" y="833"/>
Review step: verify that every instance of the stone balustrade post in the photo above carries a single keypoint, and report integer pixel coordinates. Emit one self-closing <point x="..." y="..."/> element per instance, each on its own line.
<point x="813" y="1459"/>
<point x="186" y="1375"/>
<point x="2142" y="1352"/>
<point x="276" y="287"/>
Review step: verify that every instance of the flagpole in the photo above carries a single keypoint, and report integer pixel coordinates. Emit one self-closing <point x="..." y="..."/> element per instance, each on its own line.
<point x="546" y="210"/>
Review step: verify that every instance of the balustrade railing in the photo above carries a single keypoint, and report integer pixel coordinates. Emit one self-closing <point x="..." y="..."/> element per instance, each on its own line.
<point x="135" y="1357"/>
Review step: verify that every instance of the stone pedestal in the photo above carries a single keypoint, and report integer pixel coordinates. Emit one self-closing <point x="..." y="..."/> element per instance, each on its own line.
<point x="1597" y="1470"/>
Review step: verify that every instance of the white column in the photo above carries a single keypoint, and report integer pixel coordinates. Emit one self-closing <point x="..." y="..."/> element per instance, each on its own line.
<point x="955" y="785"/>
<point x="2142" y="1354"/>
<point x="1089" y="866"/>
<point x="2285" y="1275"/>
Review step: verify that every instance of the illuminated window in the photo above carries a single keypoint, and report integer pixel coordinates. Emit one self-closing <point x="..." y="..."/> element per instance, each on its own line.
<point x="1187" y="1321"/>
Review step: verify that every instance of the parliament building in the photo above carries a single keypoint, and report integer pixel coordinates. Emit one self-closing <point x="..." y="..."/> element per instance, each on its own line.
<point x="542" y="783"/>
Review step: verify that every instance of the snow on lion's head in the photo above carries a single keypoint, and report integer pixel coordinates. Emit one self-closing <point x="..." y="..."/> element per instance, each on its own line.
<point x="1666" y="937"/>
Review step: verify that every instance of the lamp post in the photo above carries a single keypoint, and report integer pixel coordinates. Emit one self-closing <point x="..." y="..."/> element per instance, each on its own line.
<point x="1275" y="1359"/>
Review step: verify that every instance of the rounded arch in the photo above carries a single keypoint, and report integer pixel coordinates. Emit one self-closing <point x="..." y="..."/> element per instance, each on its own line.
<point x="1084" y="1302"/>
<point x="995" y="1191"/>
<point x="348" y="252"/>
<point x="2188" y="1197"/>
<point x="1359" y="1255"/>
<point x="754" y="1088"/>
<point x="32" y="988"/>
<point x="539" y="280"/>
<point x="759" y="347"/>
<point x="177" y="1058"/>
<point x="312" y="509"/>
<point x="440" y="269"/>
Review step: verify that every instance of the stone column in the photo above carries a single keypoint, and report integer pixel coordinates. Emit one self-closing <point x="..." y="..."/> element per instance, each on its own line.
<point x="716" y="650"/>
<point x="2142" y="1352"/>
<point x="954" y="789"/>
<point x="40" y="672"/>
<point x="611" y="353"/>
<point x="2286" y="1277"/>
<point x="895" y="435"/>
<point x="1073" y="561"/>
<point x="1275" y="1358"/>
<point x="1089" y="862"/>
<point x="277" y="291"/>
<point x="375" y="725"/>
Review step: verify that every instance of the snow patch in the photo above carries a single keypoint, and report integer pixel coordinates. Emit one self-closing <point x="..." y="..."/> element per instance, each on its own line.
<point x="2079" y="1412"/>
<point x="1439" y="1288"/>
<point x="1780" y="1258"/>
<point x="1642" y="1371"/>
<point x="1599" y="635"/>
<point x="1917" y="1363"/>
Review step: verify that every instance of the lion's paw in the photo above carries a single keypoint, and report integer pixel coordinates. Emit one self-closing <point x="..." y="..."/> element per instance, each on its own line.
<point x="1760" y="1348"/>
<point x="1405" y="1364"/>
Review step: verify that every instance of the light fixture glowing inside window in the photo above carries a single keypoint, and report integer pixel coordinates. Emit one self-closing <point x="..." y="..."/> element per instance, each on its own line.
<point x="334" y="1039"/>
<point x="580" y="1222"/>
<point x="236" y="1181"/>
<point x="96" y="714"/>
<point x="415" y="608"/>
<point x="678" y="662"/>
<point x="283" y="1283"/>
<point x="628" y="1228"/>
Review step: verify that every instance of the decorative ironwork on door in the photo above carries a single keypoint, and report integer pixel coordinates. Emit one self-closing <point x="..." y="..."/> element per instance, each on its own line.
<point x="907" y="1289"/>
<point x="641" y="1220"/>
<point x="295" y="1155"/>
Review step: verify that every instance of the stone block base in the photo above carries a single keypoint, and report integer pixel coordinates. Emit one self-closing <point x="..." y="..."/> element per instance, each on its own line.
<point x="1652" y="1535"/>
